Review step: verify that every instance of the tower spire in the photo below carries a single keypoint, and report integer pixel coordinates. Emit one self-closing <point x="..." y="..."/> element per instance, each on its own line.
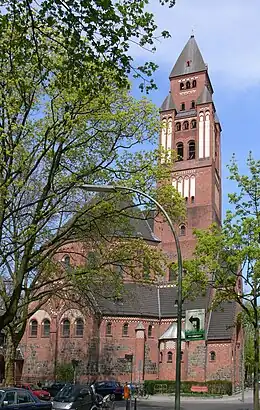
<point x="190" y="60"/>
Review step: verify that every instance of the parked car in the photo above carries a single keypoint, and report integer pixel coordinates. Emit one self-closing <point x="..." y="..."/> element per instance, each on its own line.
<point x="79" y="397"/>
<point x="36" y="391"/>
<point x="14" y="399"/>
<point x="109" y="387"/>
<point x="54" y="388"/>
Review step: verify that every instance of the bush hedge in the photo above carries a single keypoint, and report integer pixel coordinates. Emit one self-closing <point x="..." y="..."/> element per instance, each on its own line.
<point x="220" y="387"/>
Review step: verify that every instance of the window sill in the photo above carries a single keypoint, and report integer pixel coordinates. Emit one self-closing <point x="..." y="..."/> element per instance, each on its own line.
<point x="65" y="337"/>
<point x="33" y="337"/>
<point x="125" y="336"/>
<point x="45" y="336"/>
<point x="79" y="336"/>
<point x="109" y="335"/>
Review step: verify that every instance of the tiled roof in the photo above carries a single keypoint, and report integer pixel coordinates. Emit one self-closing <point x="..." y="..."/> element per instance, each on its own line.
<point x="168" y="103"/>
<point x="205" y="97"/>
<point x="190" y="60"/>
<point x="188" y="113"/>
<point x="144" y="301"/>
<point x="222" y="322"/>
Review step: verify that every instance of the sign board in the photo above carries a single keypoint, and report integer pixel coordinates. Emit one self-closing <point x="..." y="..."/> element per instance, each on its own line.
<point x="195" y="324"/>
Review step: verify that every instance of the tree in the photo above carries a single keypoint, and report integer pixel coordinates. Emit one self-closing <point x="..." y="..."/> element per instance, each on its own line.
<point x="229" y="255"/>
<point x="92" y="36"/>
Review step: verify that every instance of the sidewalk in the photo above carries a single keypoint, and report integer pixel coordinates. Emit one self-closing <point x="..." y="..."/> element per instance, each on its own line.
<point x="236" y="398"/>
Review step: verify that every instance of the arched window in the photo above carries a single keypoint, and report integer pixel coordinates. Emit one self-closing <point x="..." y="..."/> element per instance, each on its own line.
<point x="125" y="329"/>
<point x="181" y="86"/>
<point x="185" y="125"/>
<point x="65" y="326"/>
<point x="109" y="329"/>
<point x="187" y="84"/>
<point x="192" y="150"/>
<point x="180" y="151"/>
<point x="182" y="106"/>
<point x="46" y="328"/>
<point x="193" y="124"/>
<point x="169" y="357"/>
<point x="150" y="331"/>
<point x="212" y="356"/>
<point x="181" y="356"/>
<point x="66" y="261"/>
<point x="79" y="327"/>
<point x="161" y="357"/>
<point x="194" y="84"/>
<point x="33" y="328"/>
<point x="182" y="230"/>
<point x="177" y="126"/>
<point x="192" y="199"/>
<point x="193" y="104"/>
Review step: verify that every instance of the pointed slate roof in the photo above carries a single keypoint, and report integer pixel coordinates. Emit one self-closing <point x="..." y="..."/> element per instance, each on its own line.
<point x="205" y="97"/>
<point x="190" y="60"/>
<point x="171" y="333"/>
<point x="168" y="103"/>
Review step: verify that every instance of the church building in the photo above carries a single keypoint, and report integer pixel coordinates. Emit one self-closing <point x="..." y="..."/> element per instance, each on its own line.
<point x="134" y="338"/>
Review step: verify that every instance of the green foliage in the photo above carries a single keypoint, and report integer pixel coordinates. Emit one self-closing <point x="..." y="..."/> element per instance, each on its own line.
<point x="84" y="33"/>
<point x="64" y="372"/>
<point x="219" y="387"/>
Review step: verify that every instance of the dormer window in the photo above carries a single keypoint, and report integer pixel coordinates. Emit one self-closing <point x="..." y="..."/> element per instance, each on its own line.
<point x="182" y="106"/>
<point x="193" y="104"/>
<point x="187" y="85"/>
<point x="194" y="84"/>
<point x="185" y="125"/>
<point x="181" y="86"/>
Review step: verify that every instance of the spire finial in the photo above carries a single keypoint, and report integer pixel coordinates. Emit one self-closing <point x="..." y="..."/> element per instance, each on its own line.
<point x="192" y="32"/>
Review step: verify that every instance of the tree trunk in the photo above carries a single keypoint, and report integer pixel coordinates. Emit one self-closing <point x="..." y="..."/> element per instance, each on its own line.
<point x="10" y="361"/>
<point x="256" y="366"/>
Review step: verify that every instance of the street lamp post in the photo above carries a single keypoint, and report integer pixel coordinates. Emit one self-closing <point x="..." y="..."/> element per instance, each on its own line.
<point x="117" y="188"/>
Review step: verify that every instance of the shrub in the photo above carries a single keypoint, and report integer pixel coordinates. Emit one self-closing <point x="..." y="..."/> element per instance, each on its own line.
<point x="168" y="386"/>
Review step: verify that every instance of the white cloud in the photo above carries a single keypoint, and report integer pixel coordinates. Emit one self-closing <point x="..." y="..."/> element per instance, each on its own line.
<point x="227" y="32"/>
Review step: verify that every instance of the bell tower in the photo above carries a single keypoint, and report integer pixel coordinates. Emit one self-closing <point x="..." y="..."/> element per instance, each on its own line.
<point x="191" y="127"/>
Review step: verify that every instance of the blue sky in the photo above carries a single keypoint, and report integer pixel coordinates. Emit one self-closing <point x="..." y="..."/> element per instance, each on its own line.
<point x="227" y="32"/>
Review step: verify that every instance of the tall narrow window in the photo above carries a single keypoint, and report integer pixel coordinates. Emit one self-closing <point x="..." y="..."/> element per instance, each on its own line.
<point x="181" y="356"/>
<point x="180" y="151"/>
<point x="33" y="328"/>
<point x="193" y="124"/>
<point x="109" y="329"/>
<point x="191" y="150"/>
<point x="186" y="125"/>
<point x="194" y="84"/>
<point x="187" y="84"/>
<point x="65" y="328"/>
<point x="193" y="104"/>
<point x="46" y="328"/>
<point x="212" y="356"/>
<point x="150" y="331"/>
<point x="178" y="126"/>
<point x="169" y="357"/>
<point x="79" y="327"/>
<point x="66" y="260"/>
<point x="182" y="230"/>
<point x="181" y="86"/>
<point x="125" y="329"/>
<point x="161" y="357"/>
<point x="182" y="106"/>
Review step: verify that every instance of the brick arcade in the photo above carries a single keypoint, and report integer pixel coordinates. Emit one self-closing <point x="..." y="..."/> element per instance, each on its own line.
<point x="143" y="322"/>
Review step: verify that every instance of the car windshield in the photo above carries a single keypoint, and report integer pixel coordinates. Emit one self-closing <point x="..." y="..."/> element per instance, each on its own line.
<point x="67" y="394"/>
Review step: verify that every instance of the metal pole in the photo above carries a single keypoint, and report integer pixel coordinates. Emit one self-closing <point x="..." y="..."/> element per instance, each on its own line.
<point x="116" y="188"/>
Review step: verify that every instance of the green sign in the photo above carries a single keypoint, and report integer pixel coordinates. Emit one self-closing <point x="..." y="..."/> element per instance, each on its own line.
<point x="195" y="324"/>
